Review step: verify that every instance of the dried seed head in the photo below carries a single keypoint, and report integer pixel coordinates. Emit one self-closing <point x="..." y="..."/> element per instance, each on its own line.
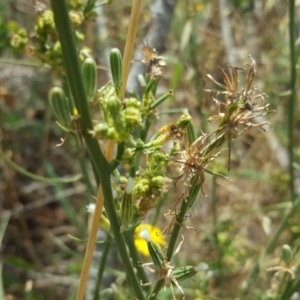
<point x="192" y="163"/>
<point x="241" y="106"/>
<point x="153" y="61"/>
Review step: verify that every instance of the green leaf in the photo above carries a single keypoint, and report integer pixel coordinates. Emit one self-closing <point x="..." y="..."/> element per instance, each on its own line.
<point x="54" y="180"/>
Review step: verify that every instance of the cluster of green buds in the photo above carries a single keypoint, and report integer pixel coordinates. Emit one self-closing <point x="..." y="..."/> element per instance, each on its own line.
<point x="44" y="43"/>
<point x="46" y="46"/>
<point x="120" y="116"/>
<point x="114" y="127"/>
<point x="149" y="183"/>
<point x="19" y="40"/>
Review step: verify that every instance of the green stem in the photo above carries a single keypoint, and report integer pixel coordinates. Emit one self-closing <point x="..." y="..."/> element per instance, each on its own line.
<point x="86" y="177"/>
<point x="22" y="63"/>
<point x="214" y="205"/>
<point x="185" y="205"/>
<point x="154" y="291"/>
<point x="116" y="161"/>
<point x="291" y="288"/>
<point x="272" y="242"/>
<point x="5" y="216"/>
<point x="89" y="6"/>
<point x="102" y="267"/>
<point x="292" y="100"/>
<point x="143" y="135"/>
<point x="145" y="130"/>
<point x="218" y="247"/>
<point x="135" y="258"/>
<point x="157" y="211"/>
<point x="161" y="99"/>
<point x="58" y="188"/>
<point x="54" y="180"/>
<point x="284" y="285"/>
<point x="73" y="72"/>
<point x="194" y="57"/>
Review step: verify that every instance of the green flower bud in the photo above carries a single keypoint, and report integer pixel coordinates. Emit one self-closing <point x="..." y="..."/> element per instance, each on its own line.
<point x="183" y="273"/>
<point x="20" y="39"/>
<point x="139" y="144"/>
<point x="103" y="131"/>
<point x="45" y="23"/>
<point x="104" y="223"/>
<point x="141" y="187"/>
<point x="115" y="59"/>
<point x="184" y="121"/>
<point x="76" y="4"/>
<point x="128" y="154"/>
<point x="79" y="35"/>
<point x="154" y="251"/>
<point x="133" y="117"/>
<point x="60" y="105"/>
<point x="287" y="254"/>
<point x="89" y="74"/>
<point x="123" y="180"/>
<point x="157" y="181"/>
<point x="132" y="102"/>
<point x="114" y="107"/>
<point x="76" y="17"/>
<point x="126" y="206"/>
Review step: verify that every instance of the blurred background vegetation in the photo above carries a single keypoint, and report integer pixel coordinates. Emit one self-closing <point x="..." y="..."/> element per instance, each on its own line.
<point x="234" y="223"/>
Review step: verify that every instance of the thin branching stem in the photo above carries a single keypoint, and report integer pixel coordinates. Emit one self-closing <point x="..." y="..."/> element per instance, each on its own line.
<point x="292" y="100"/>
<point x="102" y="267"/>
<point x="273" y="240"/>
<point x="215" y="234"/>
<point x="73" y="72"/>
<point x="283" y="224"/>
<point x="135" y="258"/>
<point x="185" y="205"/>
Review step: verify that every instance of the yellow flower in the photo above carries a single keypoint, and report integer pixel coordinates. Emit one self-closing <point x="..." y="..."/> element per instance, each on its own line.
<point x="141" y="244"/>
<point x="199" y="7"/>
